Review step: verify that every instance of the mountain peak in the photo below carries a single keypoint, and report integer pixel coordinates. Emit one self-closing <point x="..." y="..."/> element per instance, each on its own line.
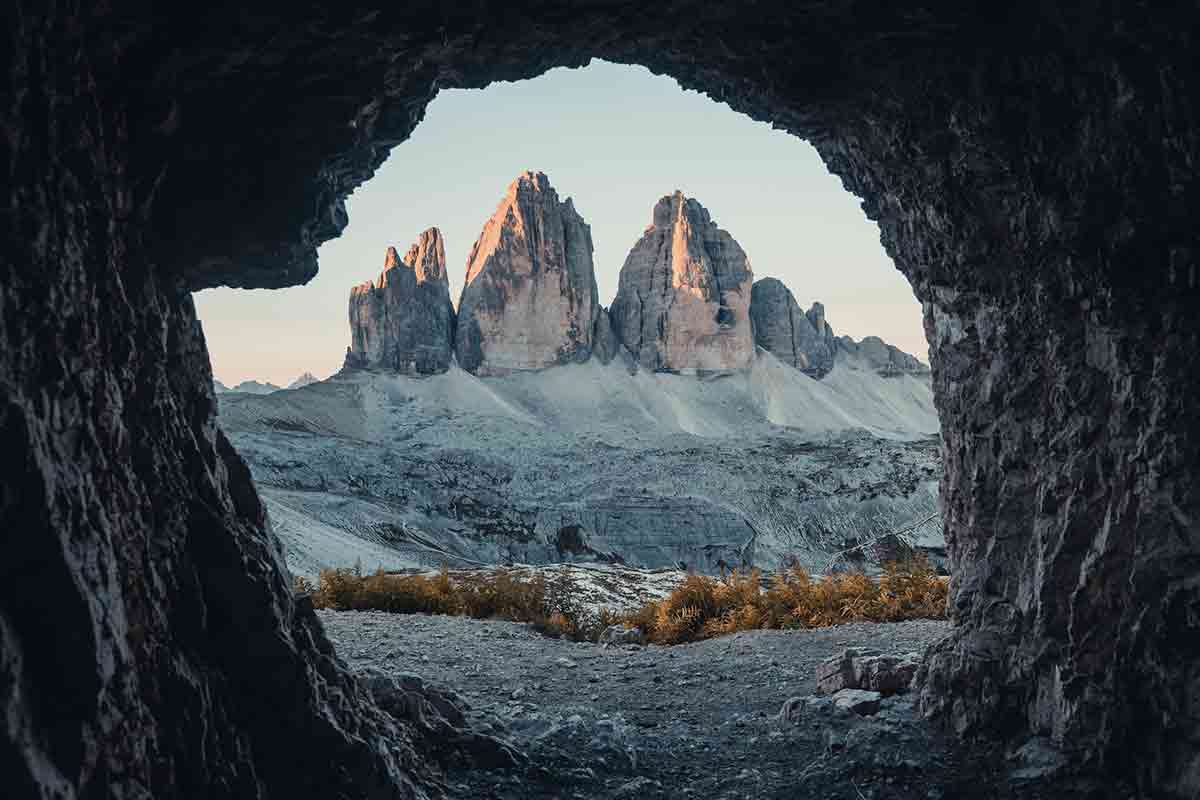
<point x="404" y="321"/>
<point x="683" y="301"/>
<point x="529" y="300"/>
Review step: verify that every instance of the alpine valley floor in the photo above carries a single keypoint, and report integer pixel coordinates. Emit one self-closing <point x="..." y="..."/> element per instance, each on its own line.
<point x="704" y="720"/>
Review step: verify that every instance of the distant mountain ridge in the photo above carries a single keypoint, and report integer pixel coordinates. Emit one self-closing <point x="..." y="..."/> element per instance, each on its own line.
<point x="686" y="301"/>
<point x="260" y="388"/>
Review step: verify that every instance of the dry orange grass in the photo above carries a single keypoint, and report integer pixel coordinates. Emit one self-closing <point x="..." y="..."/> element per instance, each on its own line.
<point x="704" y="607"/>
<point x="551" y="606"/>
<point x="700" y="608"/>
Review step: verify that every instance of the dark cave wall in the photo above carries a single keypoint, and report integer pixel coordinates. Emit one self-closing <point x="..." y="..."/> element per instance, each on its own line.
<point x="150" y="646"/>
<point x="1051" y="242"/>
<point x="1033" y="173"/>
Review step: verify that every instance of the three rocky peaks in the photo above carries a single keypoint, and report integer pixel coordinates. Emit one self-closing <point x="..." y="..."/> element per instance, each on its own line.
<point x="686" y="300"/>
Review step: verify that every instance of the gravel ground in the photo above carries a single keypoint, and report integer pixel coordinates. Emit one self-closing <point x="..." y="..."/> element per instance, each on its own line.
<point x="699" y="720"/>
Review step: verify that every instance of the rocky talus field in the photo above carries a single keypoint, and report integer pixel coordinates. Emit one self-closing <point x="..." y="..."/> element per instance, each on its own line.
<point x="740" y="717"/>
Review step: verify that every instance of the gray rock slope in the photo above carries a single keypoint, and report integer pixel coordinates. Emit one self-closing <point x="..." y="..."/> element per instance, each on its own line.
<point x="404" y="321"/>
<point x="805" y="340"/>
<point x="801" y="339"/>
<point x="683" y="296"/>
<point x="590" y="462"/>
<point x="529" y="300"/>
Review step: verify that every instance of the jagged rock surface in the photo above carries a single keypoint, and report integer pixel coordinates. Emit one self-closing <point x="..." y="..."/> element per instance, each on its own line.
<point x="798" y="338"/>
<point x="605" y="344"/>
<point x="683" y="297"/>
<point x="530" y="298"/>
<point x="882" y="357"/>
<point x="404" y="321"/>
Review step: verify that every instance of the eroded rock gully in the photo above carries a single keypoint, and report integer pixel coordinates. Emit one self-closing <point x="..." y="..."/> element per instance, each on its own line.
<point x="1033" y="172"/>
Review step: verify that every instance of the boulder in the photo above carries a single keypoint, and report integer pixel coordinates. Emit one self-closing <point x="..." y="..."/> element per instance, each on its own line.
<point x="860" y="701"/>
<point x="683" y="297"/>
<point x="619" y="634"/>
<point x="404" y="321"/>
<point x="530" y="298"/>
<point x="801" y="339"/>
<point x="794" y="709"/>
<point x="867" y="670"/>
<point x="837" y="673"/>
<point x="885" y="674"/>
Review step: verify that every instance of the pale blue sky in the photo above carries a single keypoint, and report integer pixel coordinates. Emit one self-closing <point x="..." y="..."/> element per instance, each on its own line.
<point x="614" y="138"/>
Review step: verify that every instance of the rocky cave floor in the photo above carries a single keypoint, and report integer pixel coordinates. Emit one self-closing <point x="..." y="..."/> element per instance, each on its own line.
<point x="698" y="720"/>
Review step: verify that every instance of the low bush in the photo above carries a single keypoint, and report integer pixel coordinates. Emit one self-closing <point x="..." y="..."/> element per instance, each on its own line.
<point x="704" y="607"/>
<point x="551" y="606"/>
<point x="700" y="608"/>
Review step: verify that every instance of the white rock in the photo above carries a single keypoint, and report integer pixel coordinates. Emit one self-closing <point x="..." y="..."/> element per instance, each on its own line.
<point x="860" y="701"/>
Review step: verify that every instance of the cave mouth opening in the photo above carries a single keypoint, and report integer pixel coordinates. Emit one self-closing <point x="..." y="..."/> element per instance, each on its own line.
<point x="803" y="237"/>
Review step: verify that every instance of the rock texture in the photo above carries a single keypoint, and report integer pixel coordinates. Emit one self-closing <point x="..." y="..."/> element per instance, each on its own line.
<point x="798" y="338"/>
<point x="404" y="321"/>
<point x="605" y="344"/>
<point x="857" y="668"/>
<point x="530" y="299"/>
<point x="1032" y="171"/>
<point x="882" y="357"/>
<point x="683" y="297"/>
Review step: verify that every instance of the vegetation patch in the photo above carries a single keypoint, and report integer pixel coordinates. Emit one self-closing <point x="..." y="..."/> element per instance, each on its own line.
<point x="701" y="607"/>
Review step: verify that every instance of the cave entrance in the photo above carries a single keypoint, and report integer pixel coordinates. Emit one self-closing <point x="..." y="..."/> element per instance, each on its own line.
<point x="1031" y="171"/>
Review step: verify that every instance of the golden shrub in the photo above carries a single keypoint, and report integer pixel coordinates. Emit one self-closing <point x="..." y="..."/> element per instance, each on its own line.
<point x="699" y="608"/>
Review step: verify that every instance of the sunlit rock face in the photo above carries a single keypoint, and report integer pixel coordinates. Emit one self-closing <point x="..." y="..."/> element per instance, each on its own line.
<point x="683" y="299"/>
<point x="800" y="339"/>
<point x="529" y="300"/>
<point x="404" y="320"/>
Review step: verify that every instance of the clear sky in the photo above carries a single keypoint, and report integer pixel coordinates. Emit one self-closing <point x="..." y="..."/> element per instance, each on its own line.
<point x="614" y="138"/>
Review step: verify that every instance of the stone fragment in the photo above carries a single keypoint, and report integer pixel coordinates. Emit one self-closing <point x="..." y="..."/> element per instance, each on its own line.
<point x="860" y="701"/>
<point x="801" y="339"/>
<point x="884" y="674"/>
<point x="869" y="670"/>
<point x="530" y="298"/>
<point x="795" y="708"/>
<point x="837" y="673"/>
<point x="683" y="300"/>
<point x="619" y="634"/>
<point x="404" y="320"/>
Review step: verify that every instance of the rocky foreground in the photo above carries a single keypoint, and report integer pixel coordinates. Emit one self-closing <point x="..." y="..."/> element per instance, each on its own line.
<point x="733" y="717"/>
